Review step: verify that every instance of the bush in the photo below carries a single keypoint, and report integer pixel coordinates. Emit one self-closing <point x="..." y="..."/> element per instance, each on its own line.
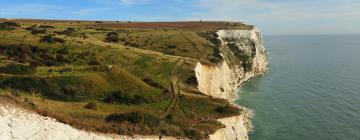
<point x="46" y="26"/>
<point x="35" y="31"/>
<point x="133" y="117"/>
<point x="91" y="105"/>
<point x="192" y="81"/>
<point x="194" y="133"/>
<point x="94" y="62"/>
<point x="112" y="37"/>
<point x="17" y="69"/>
<point x="226" y="110"/>
<point x="8" y="25"/>
<point x="123" y="98"/>
<point x="171" y="46"/>
<point x="51" y="39"/>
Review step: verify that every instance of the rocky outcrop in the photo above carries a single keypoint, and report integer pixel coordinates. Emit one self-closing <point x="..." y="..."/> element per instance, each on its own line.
<point x="236" y="127"/>
<point x="244" y="57"/>
<point x="19" y="124"/>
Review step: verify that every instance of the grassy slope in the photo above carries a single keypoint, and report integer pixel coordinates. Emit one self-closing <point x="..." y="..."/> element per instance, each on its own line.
<point x="149" y="67"/>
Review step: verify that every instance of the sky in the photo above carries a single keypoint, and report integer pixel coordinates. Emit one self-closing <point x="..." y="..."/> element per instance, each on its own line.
<point x="273" y="17"/>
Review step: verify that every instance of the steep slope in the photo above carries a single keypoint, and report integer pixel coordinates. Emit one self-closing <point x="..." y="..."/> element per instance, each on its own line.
<point x="244" y="57"/>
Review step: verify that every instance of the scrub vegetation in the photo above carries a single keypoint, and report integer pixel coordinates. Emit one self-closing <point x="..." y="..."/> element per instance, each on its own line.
<point x="114" y="77"/>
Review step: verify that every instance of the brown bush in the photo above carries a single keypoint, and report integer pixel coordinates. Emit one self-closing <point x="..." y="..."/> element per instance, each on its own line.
<point x="91" y="105"/>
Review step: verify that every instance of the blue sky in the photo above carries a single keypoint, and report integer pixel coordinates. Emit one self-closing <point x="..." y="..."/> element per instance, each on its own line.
<point x="271" y="16"/>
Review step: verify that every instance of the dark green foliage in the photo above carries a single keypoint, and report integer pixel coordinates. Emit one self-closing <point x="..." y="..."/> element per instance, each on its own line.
<point x="134" y="117"/>
<point x="51" y="39"/>
<point x="112" y="37"/>
<point x="216" y="55"/>
<point x="171" y="46"/>
<point x="35" y="31"/>
<point x="226" y="110"/>
<point x="194" y="134"/>
<point x="94" y="62"/>
<point x="8" y="25"/>
<point x="30" y="84"/>
<point x="18" y="69"/>
<point x="67" y="32"/>
<point x="46" y="26"/>
<point x="124" y="98"/>
<point x="192" y="81"/>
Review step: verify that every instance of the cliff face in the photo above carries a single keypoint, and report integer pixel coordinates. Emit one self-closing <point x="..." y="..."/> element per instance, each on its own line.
<point x="20" y="124"/>
<point x="244" y="57"/>
<point x="236" y="127"/>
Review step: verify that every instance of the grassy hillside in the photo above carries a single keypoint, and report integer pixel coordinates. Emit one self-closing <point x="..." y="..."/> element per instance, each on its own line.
<point x="114" y="77"/>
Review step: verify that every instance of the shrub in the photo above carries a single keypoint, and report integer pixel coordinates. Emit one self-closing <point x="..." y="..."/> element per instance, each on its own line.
<point x="112" y="37"/>
<point x="70" y="90"/>
<point x="192" y="81"/>
<point x="226" y="110"/>
<point x="194" y="133"/>
<point x="94" y="62"/>
<point x="8" y="25"/>
<point x="46" y="26"/>
<point x="171" y="46"/>
<point x="91" y="105"/>
<point x="17" y="69"/>
<point x="35" y="31"/>
<point x="51" y="39"/>
<point x="123" y="98"/>
<point x="133" y="117"/>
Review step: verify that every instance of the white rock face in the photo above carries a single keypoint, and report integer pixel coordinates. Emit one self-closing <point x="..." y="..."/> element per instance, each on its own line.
<point x="17" y="124"/>
<point x="237" y="127"/>
<point x="223" y="80"/>
<point x="244" y="57"/>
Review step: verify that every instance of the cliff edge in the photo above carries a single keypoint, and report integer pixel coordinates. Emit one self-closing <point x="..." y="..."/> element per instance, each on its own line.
<point x="244" y="57"/>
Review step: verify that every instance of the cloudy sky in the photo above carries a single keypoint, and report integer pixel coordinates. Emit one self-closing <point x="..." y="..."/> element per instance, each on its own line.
<point x="271" y="16"/>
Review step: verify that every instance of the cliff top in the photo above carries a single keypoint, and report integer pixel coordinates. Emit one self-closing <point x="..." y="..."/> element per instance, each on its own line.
<point x="123" y="78"/>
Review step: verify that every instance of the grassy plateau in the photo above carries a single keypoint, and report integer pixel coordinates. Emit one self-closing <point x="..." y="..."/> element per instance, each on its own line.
<point x="128" y="78"/>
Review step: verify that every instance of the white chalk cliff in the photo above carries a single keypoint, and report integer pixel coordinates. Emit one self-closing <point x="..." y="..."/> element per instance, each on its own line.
<point x="19" y="124"/>
<point x="244" y="57"/>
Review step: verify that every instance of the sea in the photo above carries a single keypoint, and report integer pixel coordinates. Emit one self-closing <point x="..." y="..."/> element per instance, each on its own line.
<point x="311" y="91"/>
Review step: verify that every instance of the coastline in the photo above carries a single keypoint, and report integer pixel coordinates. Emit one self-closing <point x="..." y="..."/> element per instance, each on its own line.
<point x="224" y="79"/>
<point x="219" y="81"/>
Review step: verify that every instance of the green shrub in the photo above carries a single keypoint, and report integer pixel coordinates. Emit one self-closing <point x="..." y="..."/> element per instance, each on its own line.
<point x="8" y="25"/>
<point x="226" y="110"/>
<point x="35" y="31"/>
<point x="17" y="69"/>
<point x="51" y="39"/>
<point x="133" y="117"/>
<point x="112" y="37"/>
<point x="124" y="98"/>
<point x="194" y="134"/>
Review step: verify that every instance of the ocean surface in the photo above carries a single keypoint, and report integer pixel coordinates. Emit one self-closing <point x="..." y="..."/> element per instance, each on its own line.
<point x="311" y="92"/>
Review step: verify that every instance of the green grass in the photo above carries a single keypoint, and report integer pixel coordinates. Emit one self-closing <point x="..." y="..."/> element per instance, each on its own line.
<point x="59" y="80"/>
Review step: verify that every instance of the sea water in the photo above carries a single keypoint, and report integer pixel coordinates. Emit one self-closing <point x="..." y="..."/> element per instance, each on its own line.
<point x="311" y="91"/>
